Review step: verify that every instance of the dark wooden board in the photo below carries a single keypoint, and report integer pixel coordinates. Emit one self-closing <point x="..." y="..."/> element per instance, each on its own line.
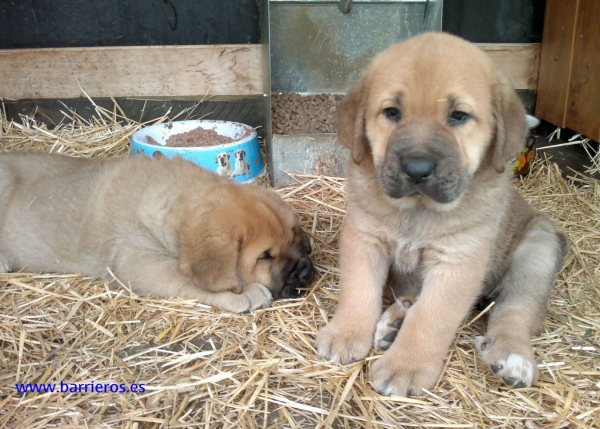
<point x="247" y="110"/>
<point x="495" y="21"/>
<point x="78" y="23"/>
<point x="555" y="60"/>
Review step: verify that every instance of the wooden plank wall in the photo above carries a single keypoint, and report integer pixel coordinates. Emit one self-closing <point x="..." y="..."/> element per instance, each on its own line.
<point x="583" y="106"/>
<point x="178" y="71"/>
<point x="569" y="83"/>
<point x="162" y="71"/>
<point x="555" y="62"/>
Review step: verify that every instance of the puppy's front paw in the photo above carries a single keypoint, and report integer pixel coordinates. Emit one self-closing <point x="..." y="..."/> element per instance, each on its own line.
<point x="394" y="374"/>
<point x="258" y="296"/>
<point x="344" y="344"/>
<point x="253" y="296"/>
<point x="510" y="359"/>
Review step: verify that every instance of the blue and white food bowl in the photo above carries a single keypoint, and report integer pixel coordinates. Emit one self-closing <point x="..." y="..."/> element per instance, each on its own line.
<point x="239" y="160"/>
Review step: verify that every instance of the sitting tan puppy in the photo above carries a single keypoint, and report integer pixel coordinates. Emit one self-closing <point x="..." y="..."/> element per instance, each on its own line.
<point x="431" y="125"/>
<point x="166" y="227"/>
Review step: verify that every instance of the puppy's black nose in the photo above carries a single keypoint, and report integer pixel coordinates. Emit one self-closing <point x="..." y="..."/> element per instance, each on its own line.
<point x="418" y="168"/>
<point x="304" y="270"/>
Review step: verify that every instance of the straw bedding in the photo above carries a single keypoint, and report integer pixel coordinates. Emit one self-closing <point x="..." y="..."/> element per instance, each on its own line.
<point x="209" y="369"/>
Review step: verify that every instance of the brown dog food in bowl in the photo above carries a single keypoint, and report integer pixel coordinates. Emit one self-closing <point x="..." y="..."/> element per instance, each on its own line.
<point x="196" y="137"/>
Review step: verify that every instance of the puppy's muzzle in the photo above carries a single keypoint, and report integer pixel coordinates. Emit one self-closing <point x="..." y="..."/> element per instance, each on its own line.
<point x="406" y="171"/>
<point x="425" y="161"/>
<point x="300" y="275"/>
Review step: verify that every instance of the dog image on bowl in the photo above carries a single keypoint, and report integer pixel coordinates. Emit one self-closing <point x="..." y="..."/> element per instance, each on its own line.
<point x="224" y="168"/>
<point x="242" y="167"/>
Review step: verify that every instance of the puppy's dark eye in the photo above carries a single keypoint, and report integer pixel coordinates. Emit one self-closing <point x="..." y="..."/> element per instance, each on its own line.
<point x="392" y="113"/>
<point x="457" y="117"/>
<point x="266" y="256"/>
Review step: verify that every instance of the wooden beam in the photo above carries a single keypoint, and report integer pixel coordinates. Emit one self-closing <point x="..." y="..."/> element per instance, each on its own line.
<point x="178" y="71"/>
<point x="143" y="71"/>
<point x="583" y="102"/>
<point x="520" y="62"/>
<point x="556" y="58"/>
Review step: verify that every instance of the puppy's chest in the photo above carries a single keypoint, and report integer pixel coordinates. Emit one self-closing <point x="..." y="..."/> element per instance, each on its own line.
<point x="410" y="241"/>
<point x="412" y="236"/>
<point x="407" y="255"/>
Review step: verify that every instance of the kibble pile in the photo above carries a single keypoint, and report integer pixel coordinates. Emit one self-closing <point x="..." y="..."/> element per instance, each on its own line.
<point x="304" y="114"/>
<point x="197" y="137"/>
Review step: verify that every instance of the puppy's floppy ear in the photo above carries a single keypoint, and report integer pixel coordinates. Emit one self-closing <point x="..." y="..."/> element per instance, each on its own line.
<point x="351" y="120"/>
<point x="301" y="237"/>
<point x="212" y="257"/>
<point x="511" y="126"/>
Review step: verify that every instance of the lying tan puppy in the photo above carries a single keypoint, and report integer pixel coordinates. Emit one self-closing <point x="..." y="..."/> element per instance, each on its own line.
<point x="167" y="227"/>
<point x="431" y="125"/>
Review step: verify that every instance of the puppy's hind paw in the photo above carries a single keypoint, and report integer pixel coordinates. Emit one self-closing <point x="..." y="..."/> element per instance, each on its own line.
<point x="509" y="359"/>
<point x="389" y="324"/>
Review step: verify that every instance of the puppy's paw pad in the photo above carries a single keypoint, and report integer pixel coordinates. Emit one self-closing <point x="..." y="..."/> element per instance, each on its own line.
<point x="389" y="324"/>
<point x="343" y="344"/>
<point x="386" y="333"/>
<point x="515" y="366"/>
<point x="258" y="296"/>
